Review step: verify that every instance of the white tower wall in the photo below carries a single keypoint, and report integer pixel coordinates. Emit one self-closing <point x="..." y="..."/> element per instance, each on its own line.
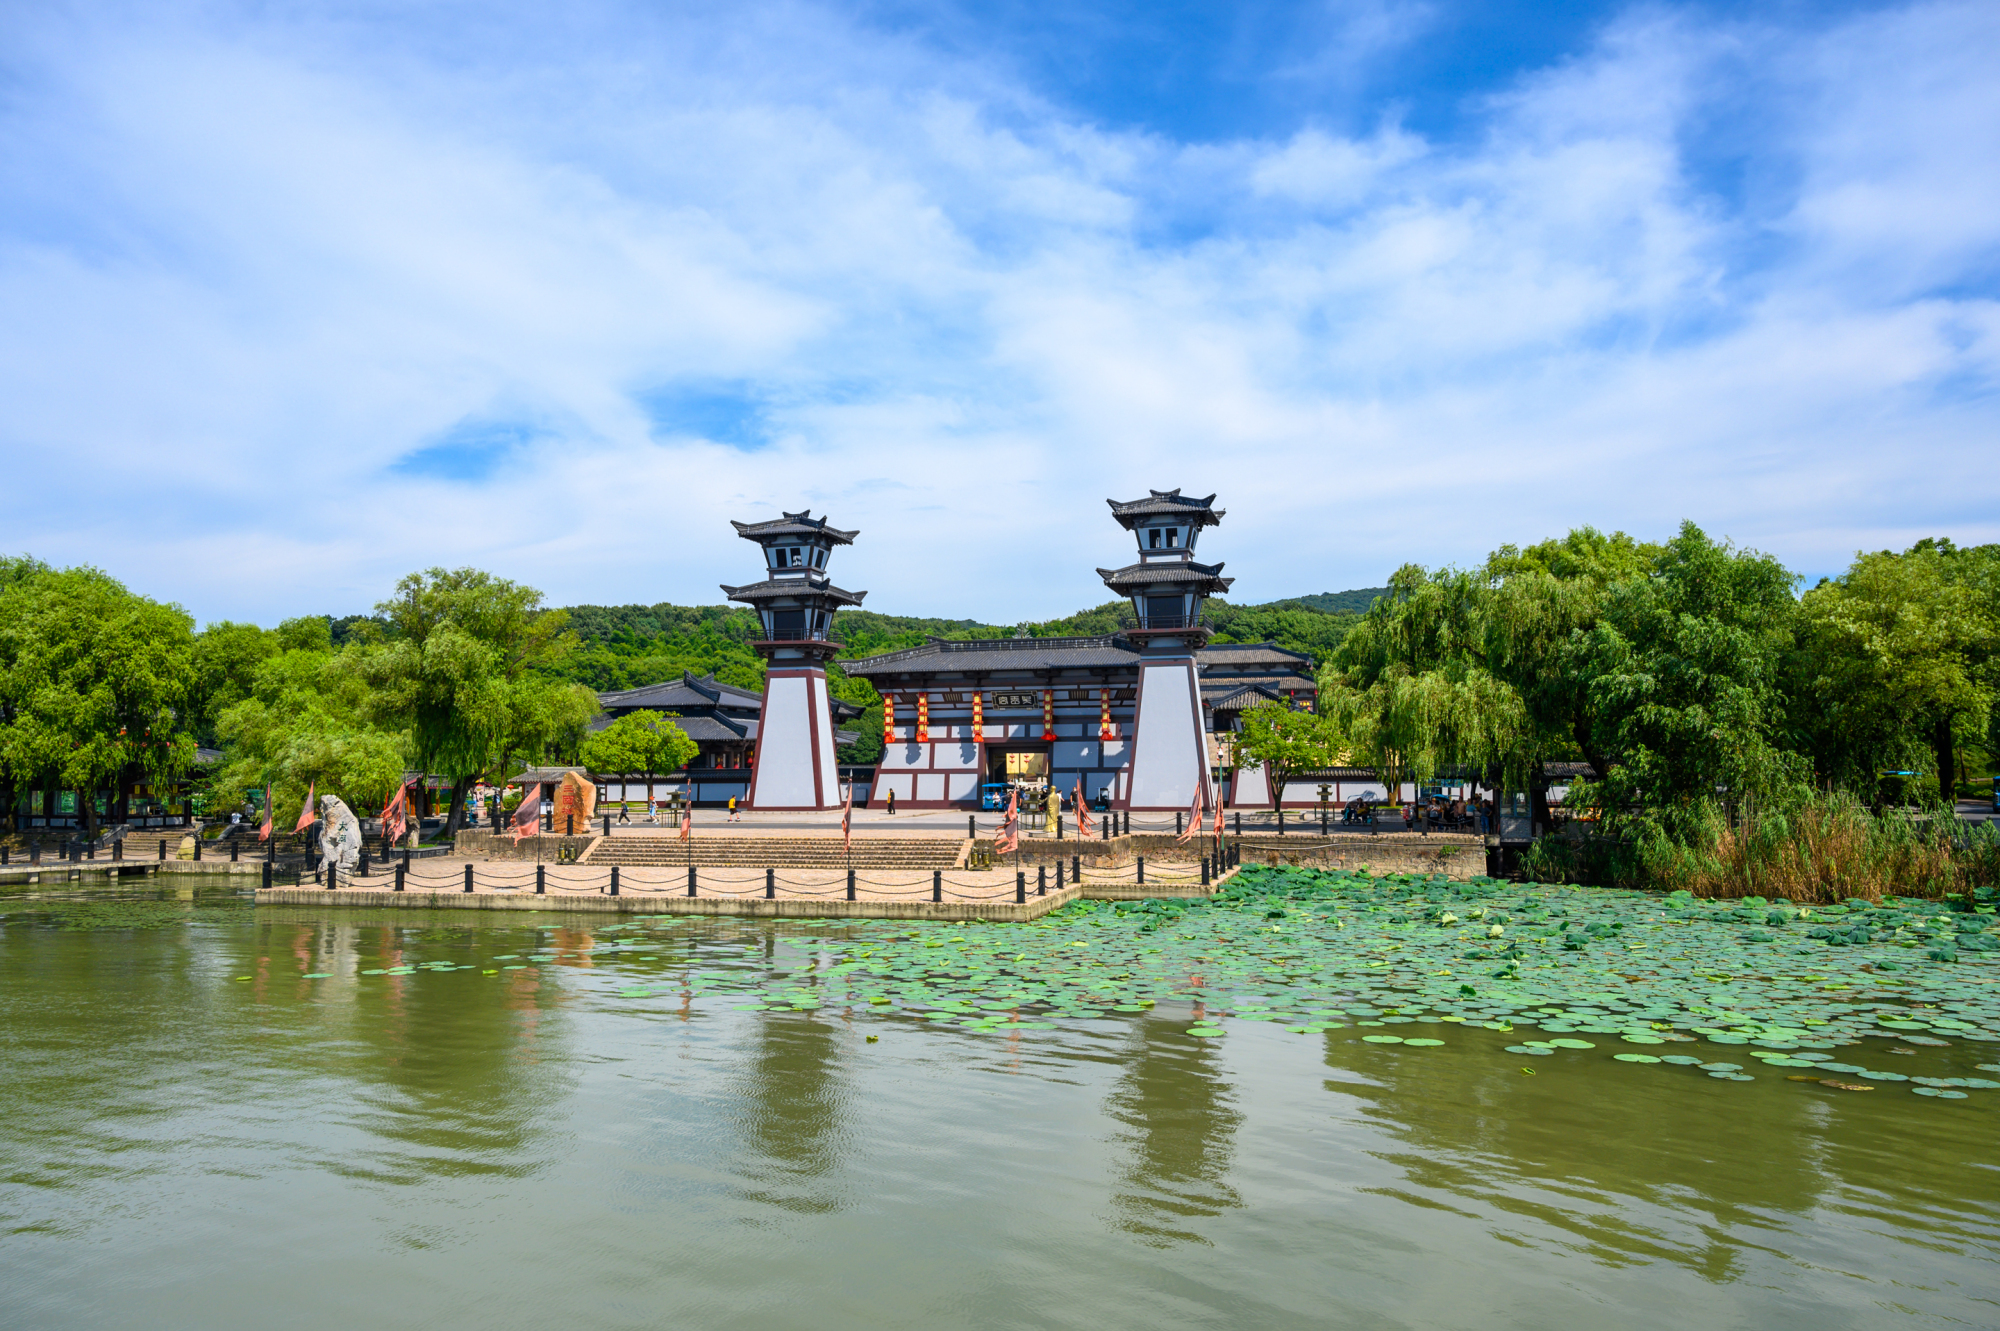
<point x="795" y="766"/>
<point x="1169" y="751"/>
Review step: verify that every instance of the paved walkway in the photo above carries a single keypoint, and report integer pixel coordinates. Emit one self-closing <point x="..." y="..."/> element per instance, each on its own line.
<point x="993" y="885"/>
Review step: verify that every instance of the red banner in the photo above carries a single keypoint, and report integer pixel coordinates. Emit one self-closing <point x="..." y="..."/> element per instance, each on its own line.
<point x="978" y="718"/>
<point x="1048" y="714"/>
<point x="1105" y="730"/>
<point x="923" y="718"/>
<point x="888" y="718"/>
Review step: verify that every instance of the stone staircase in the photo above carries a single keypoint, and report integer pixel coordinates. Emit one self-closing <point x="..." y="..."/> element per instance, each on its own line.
<point x="779" y="852"/>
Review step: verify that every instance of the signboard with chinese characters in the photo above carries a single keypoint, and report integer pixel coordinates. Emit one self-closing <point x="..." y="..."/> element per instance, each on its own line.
<point x="1016" y="700"/>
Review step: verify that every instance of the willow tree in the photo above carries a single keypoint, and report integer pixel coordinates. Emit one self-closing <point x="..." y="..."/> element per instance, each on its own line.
<point x="461" y="672"/>
<point x="1410" y="688"/>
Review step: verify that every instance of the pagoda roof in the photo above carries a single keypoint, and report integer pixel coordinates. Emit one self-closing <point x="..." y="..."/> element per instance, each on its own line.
<point x="778" y="589"/>
<point x="1206" y="578"/>
<point x="794" y="524"/>
<point x="1167" y="503"/>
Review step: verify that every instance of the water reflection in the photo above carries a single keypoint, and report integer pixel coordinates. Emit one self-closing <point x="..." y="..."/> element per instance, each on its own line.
<point x="1181" y="1120"/>
<point x="1631" y="1164"/>
<point x="789" y="1113"/>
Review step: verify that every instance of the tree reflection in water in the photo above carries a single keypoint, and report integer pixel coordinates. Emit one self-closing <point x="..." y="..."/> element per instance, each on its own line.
<point x="1181" y="1122"/>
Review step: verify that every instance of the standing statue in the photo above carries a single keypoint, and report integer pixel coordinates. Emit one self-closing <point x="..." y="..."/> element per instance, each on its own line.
<point x="340" y="835"/>
<point x="1053" y="810"/>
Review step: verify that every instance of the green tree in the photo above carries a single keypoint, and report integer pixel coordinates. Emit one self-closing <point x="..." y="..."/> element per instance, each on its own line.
<point x="462" y="672"/>
<point x="643" y="741"/>
<point x="1684" y="676"/>
<point x="1286" y="741"/>
<point x="306" y="725"/>
<point x="1409" y="685"/>
<point x="1893" y="666"/>
<point x="92" y="680"/>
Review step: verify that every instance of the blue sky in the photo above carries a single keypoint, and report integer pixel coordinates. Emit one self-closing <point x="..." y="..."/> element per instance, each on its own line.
<point x="297" y="299"/>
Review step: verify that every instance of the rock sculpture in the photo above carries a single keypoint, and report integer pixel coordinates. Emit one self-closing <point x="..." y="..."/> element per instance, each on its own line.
<point x="340" y="835"/>
<point x="575" y="802"/>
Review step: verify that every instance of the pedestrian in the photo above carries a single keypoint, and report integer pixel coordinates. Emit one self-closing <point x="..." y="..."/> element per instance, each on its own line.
<point x="732" y="808"/>
<point x="892" y="801"/>
<point x="1409" y="816"/>
<point x="652" y="811"/>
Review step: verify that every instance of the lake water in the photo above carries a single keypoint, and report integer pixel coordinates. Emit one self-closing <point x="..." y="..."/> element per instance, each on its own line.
<point x="537" y="1147"/>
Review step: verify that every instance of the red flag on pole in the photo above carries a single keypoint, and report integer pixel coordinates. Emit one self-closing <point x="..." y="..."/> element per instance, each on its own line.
<point x="528" y="817"/>
<point x="396" y="814"/>
<point x="270" y="814"/>
<point x="1084" y="827"/>
<point x="306" y="812"/>
<point x="687" y="818"/>
<point x="1194" y="814"/>
<point x="1009" y="839"/>
<point x="846" y="820"/>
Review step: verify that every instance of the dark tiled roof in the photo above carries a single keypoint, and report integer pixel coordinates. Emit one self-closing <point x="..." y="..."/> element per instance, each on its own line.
<point x="717" y="729"/>
<point x="999" y="654"/>
<point x="1251" y="654"/>
<point x="1204" y="578"/>
<point x="687" y="691"/>
<point x="776" y="589"/>
<point x="1198" y="511"/>
<point x="1235" y="695"/>
<point x="794" y="524"/>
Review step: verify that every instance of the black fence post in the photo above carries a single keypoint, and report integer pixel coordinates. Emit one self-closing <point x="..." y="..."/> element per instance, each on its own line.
<point x="270" y="848"/>
<point x="1059" y="873"/>
<point x="1041" y="880"/>
<point x="1204" y="871"/>
<point x="1281" y="822"/>
<point x="362" y="869"/>
<point x="332" y="874"/>
<point x="1239" y="822"/>
<point x="197" y="843"/>
<point x="1177" y="824"/>
<point x="1141" y="862"/>
<point x="267" y="876"/>
<point x="1076" y="868"/>
<point x="541" y="882"/>
<point x="399" y="876"/>
<point x="1020" y="886"/>
<point x="971" y="826"/>
<point x="850" y="884"/>
<point x="614" y="880"/>
<point x="770" y="884"/>
<point x="607" y="824"/>
<point x="468" y="878"/>
<point x="569" y="824"/>
<point x="691" y="873"/>
<point x="937" y="885"/>
<point x="117" y="851"/>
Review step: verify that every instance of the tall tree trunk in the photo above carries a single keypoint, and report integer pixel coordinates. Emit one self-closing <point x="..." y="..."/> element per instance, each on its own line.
<point x="1947" y="760"/>
<point x="457" y="810"/>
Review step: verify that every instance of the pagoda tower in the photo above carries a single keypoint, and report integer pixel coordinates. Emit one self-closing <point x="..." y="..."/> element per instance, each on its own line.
<point x="794" y="765"/>
<point x="1167" y="589"/>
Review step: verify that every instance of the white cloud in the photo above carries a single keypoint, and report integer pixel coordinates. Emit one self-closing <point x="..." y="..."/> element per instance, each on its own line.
<point x="249" y="265"/>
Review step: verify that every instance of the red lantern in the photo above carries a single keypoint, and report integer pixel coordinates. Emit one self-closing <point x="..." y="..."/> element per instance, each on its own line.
<point x="978" y="719"/>
<point x="1048" y="713"/>
<point x="1105" y="730"/>
<point x="923" y="718"/>
<point x="888" y="718"/>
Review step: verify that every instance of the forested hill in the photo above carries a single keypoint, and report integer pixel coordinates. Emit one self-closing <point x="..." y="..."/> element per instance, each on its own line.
<point x="625" y="646"/>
